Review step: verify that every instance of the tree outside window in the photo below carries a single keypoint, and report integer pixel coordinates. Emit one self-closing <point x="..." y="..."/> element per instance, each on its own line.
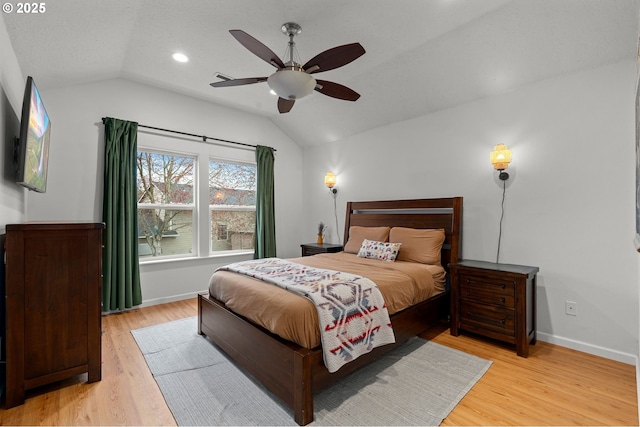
<point x="166" y="186"/>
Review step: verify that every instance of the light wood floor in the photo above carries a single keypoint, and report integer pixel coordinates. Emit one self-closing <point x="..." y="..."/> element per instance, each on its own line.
<point x="553" y="386"/>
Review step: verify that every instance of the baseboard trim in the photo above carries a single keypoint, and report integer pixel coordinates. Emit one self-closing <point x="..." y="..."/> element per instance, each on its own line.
<point x="172" y="298"/>
<point x="629" y="359"/>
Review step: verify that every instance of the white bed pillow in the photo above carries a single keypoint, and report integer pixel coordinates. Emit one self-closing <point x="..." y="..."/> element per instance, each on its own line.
<point x="383" y="251"/>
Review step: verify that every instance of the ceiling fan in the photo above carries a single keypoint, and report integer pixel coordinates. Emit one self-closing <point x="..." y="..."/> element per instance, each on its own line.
<point x="293" y="81"/>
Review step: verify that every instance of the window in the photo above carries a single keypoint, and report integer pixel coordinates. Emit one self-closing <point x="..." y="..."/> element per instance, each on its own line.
<point x="222" y="233"/>
<point x="166" y="204"/>
<point x="181" y="215"/>
<point x="232" y="205"/>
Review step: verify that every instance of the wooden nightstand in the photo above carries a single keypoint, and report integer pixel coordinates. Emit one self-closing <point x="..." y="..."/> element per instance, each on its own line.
<point x="309" y="249"/>
<point x="495" y="300"/>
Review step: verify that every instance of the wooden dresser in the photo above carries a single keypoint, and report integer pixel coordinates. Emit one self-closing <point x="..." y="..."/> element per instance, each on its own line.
<point x="495" y="300"/>
<point x="53" y="304"/>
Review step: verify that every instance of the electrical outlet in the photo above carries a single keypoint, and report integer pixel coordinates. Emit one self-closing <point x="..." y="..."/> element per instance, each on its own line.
<point x="571" y="308"/>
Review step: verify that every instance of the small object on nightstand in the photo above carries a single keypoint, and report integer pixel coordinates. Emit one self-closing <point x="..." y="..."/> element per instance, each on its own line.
<point x="309" y="249"/>
<point x="495" y="300"/>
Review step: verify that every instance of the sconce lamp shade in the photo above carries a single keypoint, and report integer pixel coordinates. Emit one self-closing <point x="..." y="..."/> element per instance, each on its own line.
<point x="500" y="157"/>
<point x="330" y="179"/>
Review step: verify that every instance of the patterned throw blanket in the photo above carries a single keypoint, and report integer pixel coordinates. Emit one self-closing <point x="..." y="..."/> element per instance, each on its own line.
<point x="352" y="313"/>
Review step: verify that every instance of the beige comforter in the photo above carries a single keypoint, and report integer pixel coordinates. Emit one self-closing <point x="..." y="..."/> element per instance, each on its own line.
<point x="294" y="318"/>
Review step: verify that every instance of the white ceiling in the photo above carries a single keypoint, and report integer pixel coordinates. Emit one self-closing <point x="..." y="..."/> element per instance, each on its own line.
<point x="422" y="55"/>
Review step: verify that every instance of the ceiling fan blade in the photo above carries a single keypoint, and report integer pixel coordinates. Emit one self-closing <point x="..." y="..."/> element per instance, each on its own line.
<point x="334" y="58"/>
<point x="239" y="82"/>
<point x="336" y="90"/>
<point x="285" y="105"/>
<point x="257" y="48"/>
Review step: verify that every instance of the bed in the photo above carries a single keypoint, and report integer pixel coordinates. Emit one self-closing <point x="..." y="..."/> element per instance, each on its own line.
<point x="294" y="372"/>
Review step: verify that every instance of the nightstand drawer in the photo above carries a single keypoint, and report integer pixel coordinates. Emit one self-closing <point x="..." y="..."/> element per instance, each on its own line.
<point x="474" y="316"/>
<point x="487" y="283"/>
<point x="309" y="249"/>
<point x="495" y="292"/>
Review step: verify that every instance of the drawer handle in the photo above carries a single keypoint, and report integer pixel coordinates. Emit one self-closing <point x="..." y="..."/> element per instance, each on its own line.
<point x="495" y="285"/>
<point x="486" y="319"/>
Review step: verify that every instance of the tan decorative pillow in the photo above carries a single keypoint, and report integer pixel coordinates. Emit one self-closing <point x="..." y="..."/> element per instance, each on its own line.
<point x="418" y="245"/>
<point x="357" y="234"/>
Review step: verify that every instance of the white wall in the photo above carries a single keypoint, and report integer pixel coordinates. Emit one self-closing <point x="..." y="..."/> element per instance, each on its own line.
<point x="74" y="189"/>
<point x="570" y="202"/>
<point x="12" y="196"/>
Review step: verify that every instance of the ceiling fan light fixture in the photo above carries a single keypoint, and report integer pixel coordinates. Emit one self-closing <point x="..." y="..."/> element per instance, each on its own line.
<point x="291" y="84"/>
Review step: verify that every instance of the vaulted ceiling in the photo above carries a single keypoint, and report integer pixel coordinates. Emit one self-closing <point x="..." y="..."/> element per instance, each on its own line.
<point x="422" y="55"/>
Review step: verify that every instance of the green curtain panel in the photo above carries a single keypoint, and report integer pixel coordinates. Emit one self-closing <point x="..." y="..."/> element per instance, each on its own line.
<point x="121" y="281"/>
<point x="265" y="236"/>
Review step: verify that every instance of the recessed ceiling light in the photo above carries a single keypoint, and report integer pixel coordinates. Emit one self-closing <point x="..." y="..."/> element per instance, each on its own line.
<point x="180" y="57"/>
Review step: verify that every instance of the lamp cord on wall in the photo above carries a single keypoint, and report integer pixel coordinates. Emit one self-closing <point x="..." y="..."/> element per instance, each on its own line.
<point x="335" y="214"/>
<point x="504" y="190"/>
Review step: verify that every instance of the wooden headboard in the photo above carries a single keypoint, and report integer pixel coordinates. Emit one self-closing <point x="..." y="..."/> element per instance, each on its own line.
<point x="443" y="213"/>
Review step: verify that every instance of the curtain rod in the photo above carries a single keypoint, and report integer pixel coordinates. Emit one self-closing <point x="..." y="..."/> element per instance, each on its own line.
<point x="204" y="137"/>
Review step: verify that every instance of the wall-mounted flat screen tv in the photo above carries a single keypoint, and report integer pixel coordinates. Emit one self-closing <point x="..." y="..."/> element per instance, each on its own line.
<point x="32" y="155"/>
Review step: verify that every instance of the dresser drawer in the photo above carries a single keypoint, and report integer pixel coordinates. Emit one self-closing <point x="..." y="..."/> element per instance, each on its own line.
<point x="474" y="316"/>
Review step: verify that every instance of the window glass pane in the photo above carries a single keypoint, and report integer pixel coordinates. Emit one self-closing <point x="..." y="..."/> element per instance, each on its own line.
<point x="164" y="178"/>
<point x="164" y="232"/>
<point x="232" y="230"/>
<point x="232" y="184"/>
<point x="232" y="200"/>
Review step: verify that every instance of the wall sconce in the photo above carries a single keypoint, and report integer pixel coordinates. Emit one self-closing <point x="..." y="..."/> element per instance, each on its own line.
<point x="330" y="182"/>
<point x="500" y="158"/>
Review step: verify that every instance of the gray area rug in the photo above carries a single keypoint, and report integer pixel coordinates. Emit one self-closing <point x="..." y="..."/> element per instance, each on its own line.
<point x="418" y="383"/>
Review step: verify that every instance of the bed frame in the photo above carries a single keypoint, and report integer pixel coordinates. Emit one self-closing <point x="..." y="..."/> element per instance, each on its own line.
<point x="294" y="373"/>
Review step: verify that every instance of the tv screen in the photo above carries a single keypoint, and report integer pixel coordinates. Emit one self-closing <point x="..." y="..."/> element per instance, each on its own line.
<point x="33" y="144"/>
